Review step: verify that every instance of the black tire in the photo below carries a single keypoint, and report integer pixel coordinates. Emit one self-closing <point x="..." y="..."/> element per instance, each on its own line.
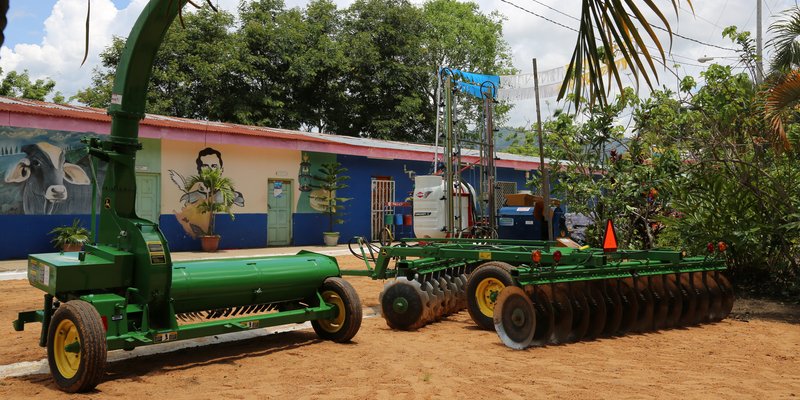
<point x="343" y="327"/>
<point x="77" y="371"/>
<point x="492" y="277"/>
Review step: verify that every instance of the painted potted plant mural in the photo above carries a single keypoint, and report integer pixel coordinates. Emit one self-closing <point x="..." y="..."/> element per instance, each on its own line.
<point x="70" y="238"/>
<point x="329" y="179"/>
<point x="219" y="195"/>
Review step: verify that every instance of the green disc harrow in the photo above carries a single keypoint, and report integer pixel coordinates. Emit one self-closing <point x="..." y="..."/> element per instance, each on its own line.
<point x="533" y="293"/>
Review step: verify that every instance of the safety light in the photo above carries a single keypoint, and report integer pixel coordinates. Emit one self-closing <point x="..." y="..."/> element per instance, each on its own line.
<point x="710" y="247"/>
<point x="722" y="247"/>
<point x="557" y="256"/>
<point x="536" y="256"/>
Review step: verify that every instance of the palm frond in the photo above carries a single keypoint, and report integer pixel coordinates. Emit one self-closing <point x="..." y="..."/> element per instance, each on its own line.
<point x="781" y="101"/>
<point x="615" y="25"/>
<point x="787" y="48"/>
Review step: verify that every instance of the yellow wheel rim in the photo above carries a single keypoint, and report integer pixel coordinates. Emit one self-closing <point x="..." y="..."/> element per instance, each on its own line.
<point x="334" y="324"/>
<point x="67" y="360"/>
<point x="486" y="294"/>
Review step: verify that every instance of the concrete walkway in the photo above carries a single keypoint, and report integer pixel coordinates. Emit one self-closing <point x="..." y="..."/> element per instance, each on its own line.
<point x="17" y="267"/>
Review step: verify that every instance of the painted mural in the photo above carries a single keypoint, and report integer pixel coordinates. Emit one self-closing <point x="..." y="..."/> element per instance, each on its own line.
<point x="194" y="222"/>
<point x="44" y="172"/>
<point x="308" y="201"/>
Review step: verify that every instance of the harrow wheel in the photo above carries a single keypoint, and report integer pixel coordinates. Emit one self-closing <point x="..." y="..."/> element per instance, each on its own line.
<point x="347" y="321"/>
<point x="404" y="304"/>
<point x="515" y="318"/>
<point x="484" y="286"/>
<point x="76" y="347"/>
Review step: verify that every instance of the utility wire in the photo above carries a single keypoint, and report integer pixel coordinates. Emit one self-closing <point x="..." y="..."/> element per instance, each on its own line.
<point x="540" y="16"/>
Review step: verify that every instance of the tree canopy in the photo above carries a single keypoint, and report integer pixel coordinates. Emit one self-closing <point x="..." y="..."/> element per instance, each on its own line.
<point x="16" y="84"/>
<point x="367" y="70"/>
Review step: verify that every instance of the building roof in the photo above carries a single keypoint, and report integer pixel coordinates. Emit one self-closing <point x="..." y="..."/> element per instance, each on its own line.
<point x="42" y="115"/>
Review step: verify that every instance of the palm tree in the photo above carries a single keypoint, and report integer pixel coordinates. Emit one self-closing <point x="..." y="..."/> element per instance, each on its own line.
<point x="783" y="93"/>
<point x="609" y="24"/>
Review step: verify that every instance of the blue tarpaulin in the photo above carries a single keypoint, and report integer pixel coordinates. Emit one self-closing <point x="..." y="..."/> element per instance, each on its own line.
<point x="470" y="83"/>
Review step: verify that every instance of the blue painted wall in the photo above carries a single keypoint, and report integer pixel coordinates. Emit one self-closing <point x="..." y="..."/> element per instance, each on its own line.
<point x="28" y="234"/>
<point x="245" y="231"/>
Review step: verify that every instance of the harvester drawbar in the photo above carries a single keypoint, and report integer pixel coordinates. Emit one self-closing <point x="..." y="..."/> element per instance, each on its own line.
<point x="534" y="293"/>
<point x="124" y="290"/>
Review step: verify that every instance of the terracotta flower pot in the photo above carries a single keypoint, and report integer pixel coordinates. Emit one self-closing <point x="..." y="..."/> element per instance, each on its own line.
<point x="72" y="247"/>
<point x="209" y="243"/>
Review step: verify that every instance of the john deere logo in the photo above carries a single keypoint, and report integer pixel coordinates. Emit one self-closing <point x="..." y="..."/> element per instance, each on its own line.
<point x="107" y="203"/>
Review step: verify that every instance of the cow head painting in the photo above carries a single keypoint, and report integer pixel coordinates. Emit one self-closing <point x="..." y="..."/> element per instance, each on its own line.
<point x="43" y="174"/>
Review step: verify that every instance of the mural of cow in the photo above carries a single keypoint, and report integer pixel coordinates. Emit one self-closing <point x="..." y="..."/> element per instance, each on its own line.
<point x="46" y="177"/>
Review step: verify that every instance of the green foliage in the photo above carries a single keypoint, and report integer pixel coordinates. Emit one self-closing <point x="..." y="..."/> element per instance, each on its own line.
<point x="218" y="190"/>
<point x="69" y="235"/>
<point x="329" y="179"/>
<point x="367" y="70"/>
<point x="19" y="85"/>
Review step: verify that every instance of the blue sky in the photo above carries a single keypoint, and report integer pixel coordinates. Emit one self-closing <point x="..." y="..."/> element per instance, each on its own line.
<point x="46" y="37"/>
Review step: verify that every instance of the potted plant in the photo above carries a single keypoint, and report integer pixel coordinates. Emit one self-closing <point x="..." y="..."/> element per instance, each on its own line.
<point x="218" y="196"/>
<point x="70" y="238"/>
<point x="330" y="179"/>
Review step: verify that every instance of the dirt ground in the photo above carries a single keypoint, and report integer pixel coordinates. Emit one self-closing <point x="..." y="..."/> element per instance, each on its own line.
<point x="753" y="354"/>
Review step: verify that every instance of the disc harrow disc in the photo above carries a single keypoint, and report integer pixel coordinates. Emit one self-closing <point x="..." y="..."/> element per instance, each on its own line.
<point x="714" y="297"/>
<point x="581" y="317"/>
<point x="672" y="290"/>
<point x="630" y="306"/>
<point x="514" y="318"/>
<point x="597" y="310"/>
<point x="614" y="307"/>
<point x="727" y="294"/>
<point x="646" y="305"/>
<point x="689" y="301"/>
<point x="543" y="307"/>
<point x="562" y="313"/>
<point x="660" y="302"/>
<point x="703" y="303"/>
<point x="404" y="304"/>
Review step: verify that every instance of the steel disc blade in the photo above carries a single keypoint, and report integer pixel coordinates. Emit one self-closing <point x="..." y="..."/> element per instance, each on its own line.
<point x="514" y="318"/>
<point x="727" y="294"/>
<point x="597" y="310"/>
<point x="630" y="305"/>
<point x="646" y="305"/>
<point x="714" y="297"/>
<point x="614" y="310"/>
<point x="689" y="301"/>
<point x="660" y="302"/>
<point x="540" y="295"/>
<point x="703" y="300"/>
<point x="675" y="300"/>
<point x="562" y="313"/>
<point x="581" y="316"/>
<point x="403" y="305"/>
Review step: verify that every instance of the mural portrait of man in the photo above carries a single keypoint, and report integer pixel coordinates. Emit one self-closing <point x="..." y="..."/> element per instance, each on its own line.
<point x="191" y="219"/>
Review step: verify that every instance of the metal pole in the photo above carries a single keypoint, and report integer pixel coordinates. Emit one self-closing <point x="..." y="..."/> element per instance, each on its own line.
<point x="448" y="154"/>
<point x="490" y="172"/>
<point x="759" y="47"/>
<point x="543" y="170"/>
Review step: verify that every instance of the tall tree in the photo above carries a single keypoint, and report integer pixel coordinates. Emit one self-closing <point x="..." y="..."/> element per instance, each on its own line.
<point x="15" y="84"/>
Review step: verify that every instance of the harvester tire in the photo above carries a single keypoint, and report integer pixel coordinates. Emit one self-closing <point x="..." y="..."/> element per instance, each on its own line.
<point x="484" y="286"/>
<point x="347" y="321"/>
<point x="76" y="347"/>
